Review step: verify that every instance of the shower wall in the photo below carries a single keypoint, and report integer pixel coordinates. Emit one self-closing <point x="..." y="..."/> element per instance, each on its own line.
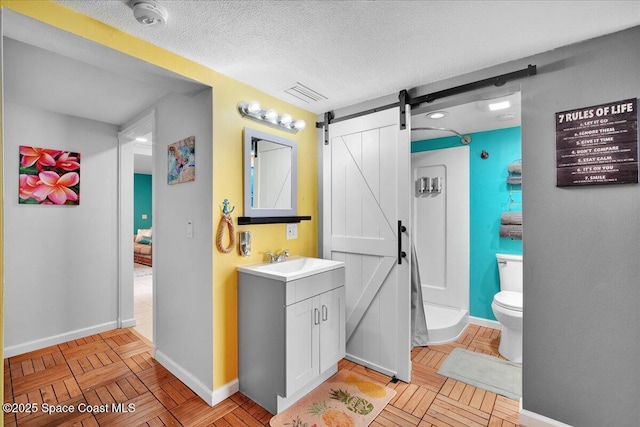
<point x="441" y="227"/>
<point x="488" y="197"/>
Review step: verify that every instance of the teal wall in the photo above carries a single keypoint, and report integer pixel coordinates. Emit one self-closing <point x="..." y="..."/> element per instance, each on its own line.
<point x="141" y="201"/>
<point x="489" y="197"/>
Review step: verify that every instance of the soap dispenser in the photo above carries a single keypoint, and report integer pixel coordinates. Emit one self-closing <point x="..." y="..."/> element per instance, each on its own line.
<point x="245" y="243"/>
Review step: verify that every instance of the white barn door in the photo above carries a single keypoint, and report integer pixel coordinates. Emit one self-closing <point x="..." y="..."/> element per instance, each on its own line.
<point x="366" y="199"/>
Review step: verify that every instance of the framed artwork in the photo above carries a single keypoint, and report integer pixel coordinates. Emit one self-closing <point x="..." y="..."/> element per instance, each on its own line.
<point x="48" y="176"/>
<point x="182" y="161"/>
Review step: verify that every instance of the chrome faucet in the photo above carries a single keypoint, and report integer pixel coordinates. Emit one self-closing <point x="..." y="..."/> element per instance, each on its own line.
<point x="282" y="256"/>
<point x="277" y="257"/>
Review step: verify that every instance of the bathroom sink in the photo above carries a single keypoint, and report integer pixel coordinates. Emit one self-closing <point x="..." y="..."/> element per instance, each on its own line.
<point x="292" y="269"/>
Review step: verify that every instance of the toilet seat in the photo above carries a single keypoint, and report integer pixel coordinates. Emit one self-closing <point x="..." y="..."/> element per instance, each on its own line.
<point x="509" y="300"/>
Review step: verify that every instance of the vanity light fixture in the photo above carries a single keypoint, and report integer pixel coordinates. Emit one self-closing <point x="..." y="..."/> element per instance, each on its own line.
<point x="252" y="110"/>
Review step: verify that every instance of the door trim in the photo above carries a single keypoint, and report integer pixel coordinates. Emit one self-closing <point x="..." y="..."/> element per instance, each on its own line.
<point x="126" y="138"/>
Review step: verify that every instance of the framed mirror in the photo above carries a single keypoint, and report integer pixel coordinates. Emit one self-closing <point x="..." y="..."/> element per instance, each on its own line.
<point x="270" y="175"/>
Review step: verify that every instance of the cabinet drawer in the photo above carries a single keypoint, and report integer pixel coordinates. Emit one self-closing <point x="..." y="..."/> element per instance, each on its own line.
<point x="307" y="287"/>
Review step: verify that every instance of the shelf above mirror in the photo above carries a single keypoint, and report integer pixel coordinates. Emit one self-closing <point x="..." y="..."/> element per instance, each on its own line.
<point x="247" y="220"/>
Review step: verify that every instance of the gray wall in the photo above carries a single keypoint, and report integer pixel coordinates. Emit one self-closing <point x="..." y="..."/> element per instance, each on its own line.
<point x="60" y="261"/>
<point x="581" y="245"/>
<point x="183" y="266"/>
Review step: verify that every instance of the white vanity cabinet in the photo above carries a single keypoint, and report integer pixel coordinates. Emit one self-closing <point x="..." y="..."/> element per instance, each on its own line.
<point x="291" y="334"/>
<point x="314" y="337"/>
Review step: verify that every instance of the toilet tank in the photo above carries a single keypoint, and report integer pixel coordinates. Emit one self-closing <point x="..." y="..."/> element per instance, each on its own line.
<point x="510" y="268"/>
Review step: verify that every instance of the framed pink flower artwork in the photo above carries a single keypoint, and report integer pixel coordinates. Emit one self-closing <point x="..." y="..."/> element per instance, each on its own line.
<point x="49" y="177"/>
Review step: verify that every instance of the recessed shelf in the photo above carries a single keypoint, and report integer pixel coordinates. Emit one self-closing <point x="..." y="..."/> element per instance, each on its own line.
<point x="247" y="220"/>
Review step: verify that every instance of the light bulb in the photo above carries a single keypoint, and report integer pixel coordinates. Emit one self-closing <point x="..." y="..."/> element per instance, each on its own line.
<point x="271" y="115"/>
<point x="286" y="119"/>
<point x="254" y="107"/>
<point x="300" y="124"/>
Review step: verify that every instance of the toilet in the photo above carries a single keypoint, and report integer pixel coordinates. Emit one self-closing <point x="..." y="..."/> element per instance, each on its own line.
<point x="507" y="306"/>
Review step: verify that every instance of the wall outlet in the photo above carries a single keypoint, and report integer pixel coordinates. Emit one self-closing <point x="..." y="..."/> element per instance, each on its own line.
<point x="292" y="231"/>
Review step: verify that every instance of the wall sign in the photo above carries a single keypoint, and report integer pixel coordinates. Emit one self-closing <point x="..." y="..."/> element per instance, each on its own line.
<point x="598" y="145"/>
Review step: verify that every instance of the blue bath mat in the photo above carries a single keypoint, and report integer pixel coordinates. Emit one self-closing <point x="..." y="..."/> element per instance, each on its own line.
<point x="485" y="372"/>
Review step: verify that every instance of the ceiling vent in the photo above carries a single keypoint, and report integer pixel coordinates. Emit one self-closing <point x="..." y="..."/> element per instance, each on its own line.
<point x="305" y="93"/>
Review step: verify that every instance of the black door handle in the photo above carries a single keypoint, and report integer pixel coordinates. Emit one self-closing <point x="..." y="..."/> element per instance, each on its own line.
<point x="401" y="253"/>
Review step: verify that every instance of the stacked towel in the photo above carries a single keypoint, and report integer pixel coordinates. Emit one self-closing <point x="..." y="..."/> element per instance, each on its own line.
<point x="515" y="167"/>
<point x="513" y="232"/>
<point x="511" y="218"/>
<point x="511" y="225"/>
<point x="514" y="179"/>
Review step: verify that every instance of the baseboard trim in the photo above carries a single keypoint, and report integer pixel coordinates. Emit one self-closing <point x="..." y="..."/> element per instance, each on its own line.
<point x="485" y="322"/>
<point x="531" y="419"/>
<point x="225" y="391"/>
<point x="129" y="323"/>
<point x="15" y="350"/>
<point x="210" y="396"/>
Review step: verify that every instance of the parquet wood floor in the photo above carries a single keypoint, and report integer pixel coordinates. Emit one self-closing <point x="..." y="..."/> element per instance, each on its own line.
<point x="116" y="367"/>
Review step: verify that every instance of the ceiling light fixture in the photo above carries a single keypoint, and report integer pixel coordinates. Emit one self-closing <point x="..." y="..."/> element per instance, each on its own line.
<point x="499" y="105"/>
<point x="437" y="114"/>
<point x="141" y="139"/>
<point x="149" y="12"/>
<point x="252" y="110"/>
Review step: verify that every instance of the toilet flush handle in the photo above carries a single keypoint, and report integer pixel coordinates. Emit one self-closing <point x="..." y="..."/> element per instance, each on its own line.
<point x="502" y="262"/>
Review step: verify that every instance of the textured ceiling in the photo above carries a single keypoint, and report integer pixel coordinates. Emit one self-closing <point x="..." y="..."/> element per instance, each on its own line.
<point x="353" y="51"/>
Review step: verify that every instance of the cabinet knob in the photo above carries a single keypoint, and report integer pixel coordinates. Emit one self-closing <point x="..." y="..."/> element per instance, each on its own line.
<point x="325" y="313"/>
<point x="316" y="316"/>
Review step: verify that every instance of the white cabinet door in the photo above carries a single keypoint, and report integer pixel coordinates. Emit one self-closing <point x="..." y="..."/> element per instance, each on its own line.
<point x="315" y="337"/>
<point x="302" y="339"/>
<point x="332" y="328"/>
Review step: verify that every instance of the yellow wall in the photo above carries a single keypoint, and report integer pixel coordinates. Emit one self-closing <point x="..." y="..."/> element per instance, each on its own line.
<point x="1" y="263"/>
<point x="227" y="163"/>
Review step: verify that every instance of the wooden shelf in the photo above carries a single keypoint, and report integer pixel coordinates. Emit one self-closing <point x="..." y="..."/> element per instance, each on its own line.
<point x="247" y="220"/>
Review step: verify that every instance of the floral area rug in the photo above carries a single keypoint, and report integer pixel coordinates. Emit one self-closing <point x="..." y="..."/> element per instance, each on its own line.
<point x="344" y="400"/>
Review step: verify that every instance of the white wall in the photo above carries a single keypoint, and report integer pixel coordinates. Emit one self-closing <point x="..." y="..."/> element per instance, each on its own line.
<point x="60" y="261"/>
<point x="183" y="328"/>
